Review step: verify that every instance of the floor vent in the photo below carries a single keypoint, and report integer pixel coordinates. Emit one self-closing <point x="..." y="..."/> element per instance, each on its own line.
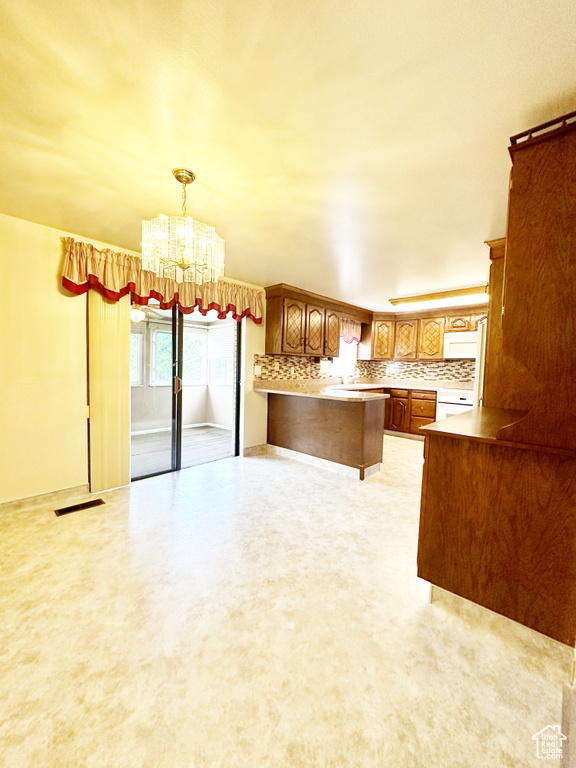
<point x="76" y="507"/>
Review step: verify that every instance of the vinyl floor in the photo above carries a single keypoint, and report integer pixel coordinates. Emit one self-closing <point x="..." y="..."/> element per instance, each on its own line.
<point x="257" y="612"/>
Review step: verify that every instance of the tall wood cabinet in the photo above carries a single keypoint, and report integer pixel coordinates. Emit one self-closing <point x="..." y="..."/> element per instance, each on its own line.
<point x="499" y="485"/>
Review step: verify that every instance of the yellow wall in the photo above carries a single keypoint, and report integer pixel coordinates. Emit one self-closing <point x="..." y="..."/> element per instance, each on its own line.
<point x="43" y="371"/>
<point x="43" y="414"/>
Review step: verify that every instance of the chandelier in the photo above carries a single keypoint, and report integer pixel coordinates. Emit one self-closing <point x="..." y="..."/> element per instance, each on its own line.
<point x="179" y="247"/>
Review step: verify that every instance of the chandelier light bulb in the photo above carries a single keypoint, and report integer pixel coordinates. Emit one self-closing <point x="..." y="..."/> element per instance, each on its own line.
<point x="180" y="248"/>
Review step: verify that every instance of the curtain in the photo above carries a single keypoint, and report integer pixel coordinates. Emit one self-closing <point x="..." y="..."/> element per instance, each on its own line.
<point x="350" y="330"/>
<point x="116" y="274"/>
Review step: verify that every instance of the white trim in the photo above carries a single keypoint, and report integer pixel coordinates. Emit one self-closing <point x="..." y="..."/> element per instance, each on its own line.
<point x="150" y="431"/>
<point x="184" y="426"/>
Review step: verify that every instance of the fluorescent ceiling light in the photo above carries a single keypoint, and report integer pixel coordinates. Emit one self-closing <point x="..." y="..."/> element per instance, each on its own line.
<point x="462" y="297"/>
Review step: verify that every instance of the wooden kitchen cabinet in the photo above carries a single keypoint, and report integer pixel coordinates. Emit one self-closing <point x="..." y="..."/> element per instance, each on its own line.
<point x="302" y="323"/>
<point x="406" y="346"/>
<point x="475" y="319"/>
<point x="377" y="342"/>
<point x="293" y="327"/>
<point x="431" y="338"/>
<point x="408" y="410"/>
<point x="458" y="323"/>
<point x="420" y="339"/>
<point x="422" y="410"/>
<point x="397" y="414"/>
<point x="382" y="339"/>
<point x="499" y="486"/>
<point x="314" y="344"/>
<point x="331" y="334"/>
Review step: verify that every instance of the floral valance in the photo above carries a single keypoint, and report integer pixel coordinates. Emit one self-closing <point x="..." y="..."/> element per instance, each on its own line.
<point x="116" y="274"/>
<point x="350" y="330"/>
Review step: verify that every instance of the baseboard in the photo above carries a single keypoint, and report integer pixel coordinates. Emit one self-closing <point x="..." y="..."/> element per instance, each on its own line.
<point x="256" y="450"/>
<point x="184" y="426"/>
<point x="406" y="435"/>
<point x="56" y="498"/>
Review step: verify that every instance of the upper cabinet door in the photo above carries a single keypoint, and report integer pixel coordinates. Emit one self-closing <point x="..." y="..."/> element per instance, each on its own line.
<point x="406" y="340"/>
<point x="314" y="331"/>
<point x="475" y="319"/>
<point x="294" y="318"/>
<point x="332" y="334"/>
<point x="383" y="339"/>
<point x="431" y="344"/>
<point x="458" y="323"/>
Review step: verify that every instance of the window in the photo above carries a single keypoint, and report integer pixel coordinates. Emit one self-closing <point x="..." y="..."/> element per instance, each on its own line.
<point x="135" y="359"/>
<point x="345" y="363"/>
<point x="221" y="354"/>
<point x="194" y="357"/>
<point x="222" y="371"/>
<point x="161" y="358"/>
<point x="194" y="362"/>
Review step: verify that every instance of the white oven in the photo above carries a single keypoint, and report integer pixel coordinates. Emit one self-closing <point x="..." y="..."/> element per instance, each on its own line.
<point x="452" y="401"/>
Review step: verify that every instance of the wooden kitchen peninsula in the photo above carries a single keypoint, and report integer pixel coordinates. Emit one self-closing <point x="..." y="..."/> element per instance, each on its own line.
<point x="345" y="427"/>
<point x="497" y="521"/>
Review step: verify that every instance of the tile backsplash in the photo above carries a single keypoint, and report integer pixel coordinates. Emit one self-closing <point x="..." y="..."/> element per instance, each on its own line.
<point x="293" y="367"/>
<point x="289" y="367"/>
<point x="433" y="370"/>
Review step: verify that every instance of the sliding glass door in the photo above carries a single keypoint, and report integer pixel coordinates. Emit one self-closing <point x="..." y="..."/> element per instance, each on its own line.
<point x="153" y="368"/>
<point x="184" y="390"/>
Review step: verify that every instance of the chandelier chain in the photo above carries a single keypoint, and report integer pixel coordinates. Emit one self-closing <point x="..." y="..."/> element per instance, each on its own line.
<point x="184" y="200"/>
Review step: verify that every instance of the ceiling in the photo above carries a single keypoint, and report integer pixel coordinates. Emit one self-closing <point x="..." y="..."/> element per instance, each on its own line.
<point x="355" y="148"/>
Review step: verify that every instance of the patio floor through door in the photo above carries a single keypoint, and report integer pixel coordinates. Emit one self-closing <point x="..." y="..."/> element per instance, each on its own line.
<point x="199" y="445"/>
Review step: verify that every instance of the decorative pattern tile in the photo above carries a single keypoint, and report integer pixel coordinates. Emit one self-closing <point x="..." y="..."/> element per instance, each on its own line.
<point x="298" y="368"/>
<point x="289" y="367"/>
<point x="432" y="370"/>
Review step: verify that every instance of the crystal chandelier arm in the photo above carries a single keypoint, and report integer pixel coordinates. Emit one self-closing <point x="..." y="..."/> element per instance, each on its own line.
<point x="180" y="248"/>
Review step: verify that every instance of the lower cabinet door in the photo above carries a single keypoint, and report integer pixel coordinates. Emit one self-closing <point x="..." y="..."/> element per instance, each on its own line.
<point x="397" y="414"/>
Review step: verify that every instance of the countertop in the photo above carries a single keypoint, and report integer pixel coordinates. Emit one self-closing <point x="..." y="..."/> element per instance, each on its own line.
<point x="483" y="425"/>
<point x="318" y="390"/>
<point x="332" y="389"/>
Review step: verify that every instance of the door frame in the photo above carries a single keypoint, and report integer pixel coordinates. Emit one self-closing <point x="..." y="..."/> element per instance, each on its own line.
<point x="177" y="366"/>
